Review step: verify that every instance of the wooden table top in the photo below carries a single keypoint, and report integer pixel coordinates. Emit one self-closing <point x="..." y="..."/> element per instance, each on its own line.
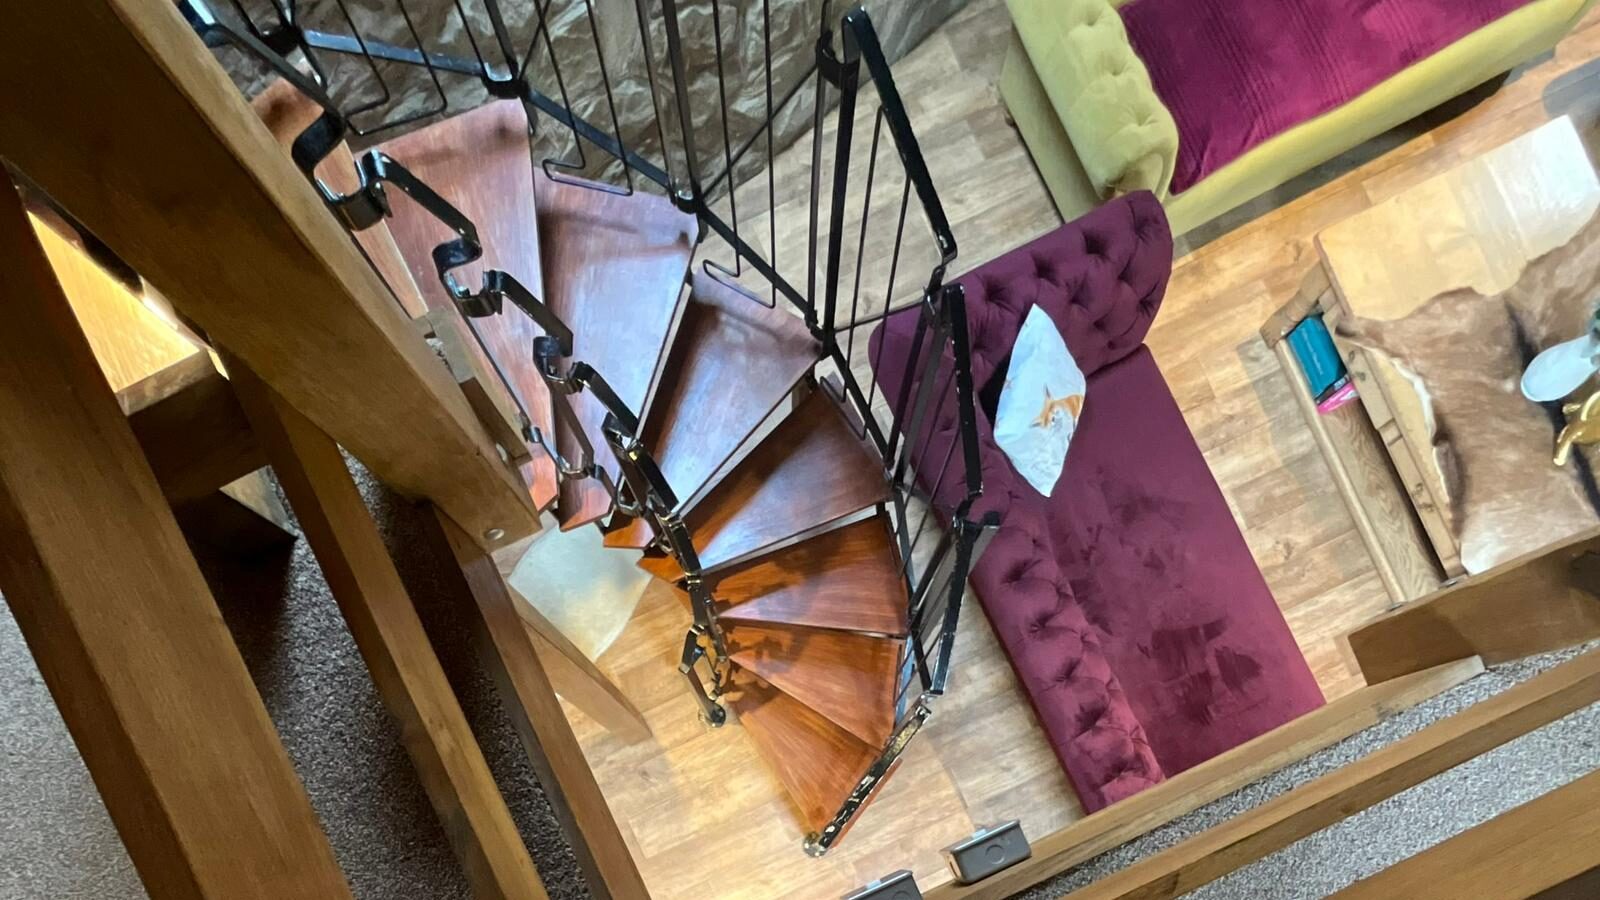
<point x="1449" y="288"/>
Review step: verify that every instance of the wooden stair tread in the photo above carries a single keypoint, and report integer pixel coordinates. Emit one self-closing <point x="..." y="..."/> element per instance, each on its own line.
<point x="733" y="361"/>
<point x="811" y="470"/>
<point x="848" y="678"/>
<point x="847" y="579"/>
<point x="818" y="762"/>
<point x="663" y="567"/>
<point x="479" y="162"/>
<point x="613" y="271"/>
<point x="286" y="112"/>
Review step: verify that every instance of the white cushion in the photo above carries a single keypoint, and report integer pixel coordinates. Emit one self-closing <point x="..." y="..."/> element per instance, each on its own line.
<point x="1040" y="403"/>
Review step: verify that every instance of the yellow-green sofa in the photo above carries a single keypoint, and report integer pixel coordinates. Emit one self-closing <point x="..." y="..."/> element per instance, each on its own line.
<point x="1084" y="104"/>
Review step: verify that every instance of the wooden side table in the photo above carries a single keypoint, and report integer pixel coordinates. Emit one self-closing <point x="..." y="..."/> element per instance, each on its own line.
<point x="1475" y="228"/>
<point x="1378" y="498"/>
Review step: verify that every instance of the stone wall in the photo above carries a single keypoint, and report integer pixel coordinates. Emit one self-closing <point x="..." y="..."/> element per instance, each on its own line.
<point x="409" y="96"/>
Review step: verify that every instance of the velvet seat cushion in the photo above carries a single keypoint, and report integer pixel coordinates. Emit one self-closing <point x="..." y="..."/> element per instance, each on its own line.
<point x="1235" y="74"/>
<point x="1222" y="665"/>
<point x="1161" y="572"/>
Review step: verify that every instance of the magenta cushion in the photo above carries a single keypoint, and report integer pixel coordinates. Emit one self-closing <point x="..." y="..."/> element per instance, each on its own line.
<point x="1128" y="603"/>
<point x="1158" y="566"/>
<point x="1237" y="73"/>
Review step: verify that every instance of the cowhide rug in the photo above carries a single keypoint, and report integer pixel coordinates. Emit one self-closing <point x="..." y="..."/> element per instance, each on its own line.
<point x="1465" y="354"/>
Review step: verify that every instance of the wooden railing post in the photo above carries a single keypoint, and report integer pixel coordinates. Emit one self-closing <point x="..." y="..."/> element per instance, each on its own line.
<point x="389" y="634"/>
<point x="507" y="650"/>
<point x="123" y="626"/>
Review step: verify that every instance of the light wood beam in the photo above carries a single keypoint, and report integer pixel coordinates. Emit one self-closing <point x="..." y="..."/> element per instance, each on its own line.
<point x="1539" y="846"/>
<point x="1216" y="777"/>
<point x="1355" y="787"/>
<point x="155" y="151"/>
<point x="576" y="678"/>
<point x="391" y="639"/>
<point x="123" y="626"/>
<point x="191" y="429"/>
<point x="1538" y="602"/>
<point x="528" y="697"/>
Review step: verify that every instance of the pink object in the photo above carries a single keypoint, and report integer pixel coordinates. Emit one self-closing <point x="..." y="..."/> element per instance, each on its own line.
<point x="1128" y="602"/>
<point x="1235" y="73"/>
<point x="1338" y="398"/>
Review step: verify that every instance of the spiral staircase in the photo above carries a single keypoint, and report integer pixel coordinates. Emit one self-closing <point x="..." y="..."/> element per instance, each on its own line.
<point x="665" y="402"/>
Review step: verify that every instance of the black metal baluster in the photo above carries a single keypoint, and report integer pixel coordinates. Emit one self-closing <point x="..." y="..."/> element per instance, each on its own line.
<point x="772" y="159"/>
<point x="655" y="99"/>
<point x="888" y="292"/>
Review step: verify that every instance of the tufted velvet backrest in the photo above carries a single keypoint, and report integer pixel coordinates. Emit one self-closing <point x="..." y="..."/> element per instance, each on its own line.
<point x="1099" y="278"/>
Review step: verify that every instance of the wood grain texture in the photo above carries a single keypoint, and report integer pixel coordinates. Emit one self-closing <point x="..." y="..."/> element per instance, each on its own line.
<point x="577" y="679"/>
<point x="849" y="678"/>
<point x="479" y="162"/>
<point x="847" y="579"/>
<point x="810" y="471"/>
<point x="241" y="244"/>
<point x="387" y="631"/>
<point x="129" y="341"/>
<point x="1528" y="605"/>
<point x="1216" y="777"/>
<point x="1348" y="790"/>
<point x="129" y="639"/>
<point x="526" y="693"/>
<point x="817" y="761"/>
<point x="1365" y="478"/>
<point x="1535" y="847"/>
<point x="614" y="269"/>
<point x="731" y="363"/>
<point x="982" y="758"/>
<point x="449" y="335"/>
<point x="191" y="429"/>
<point x="286" y="112"/>
<point x="1472" y="232"/>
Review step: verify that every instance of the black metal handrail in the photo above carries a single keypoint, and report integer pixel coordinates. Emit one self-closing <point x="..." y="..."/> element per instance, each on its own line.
<point x="935" y="386"/>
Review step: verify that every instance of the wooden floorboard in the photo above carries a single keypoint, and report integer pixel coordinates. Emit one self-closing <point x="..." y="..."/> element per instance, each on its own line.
<point x="982" y="758"/>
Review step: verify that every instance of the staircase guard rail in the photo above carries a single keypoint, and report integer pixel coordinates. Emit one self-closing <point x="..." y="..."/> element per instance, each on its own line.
<point x="936" y="379"/>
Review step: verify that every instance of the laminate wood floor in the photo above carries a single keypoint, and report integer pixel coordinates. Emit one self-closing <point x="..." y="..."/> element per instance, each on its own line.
<point x="702" y="813"/>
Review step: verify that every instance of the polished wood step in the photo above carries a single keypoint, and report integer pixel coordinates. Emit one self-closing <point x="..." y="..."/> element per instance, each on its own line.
<point x="846" y="579"/>
<point x="848" y="678"/>
<point x="614" y="270"/>
<point x="479" y="162"/>
<point x="733" y="361"/>
<point x="810" y="471"/>
<point x="818" y="762"/>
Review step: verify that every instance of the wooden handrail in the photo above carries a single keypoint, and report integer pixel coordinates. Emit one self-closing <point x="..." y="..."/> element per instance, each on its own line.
<point x="155" y="151"/>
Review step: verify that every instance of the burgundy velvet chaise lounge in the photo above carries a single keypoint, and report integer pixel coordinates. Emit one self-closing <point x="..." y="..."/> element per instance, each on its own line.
<point x="1128" y="602"/>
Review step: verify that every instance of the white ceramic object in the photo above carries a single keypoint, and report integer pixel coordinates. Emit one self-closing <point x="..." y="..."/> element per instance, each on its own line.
<point x="1560" y="370"/>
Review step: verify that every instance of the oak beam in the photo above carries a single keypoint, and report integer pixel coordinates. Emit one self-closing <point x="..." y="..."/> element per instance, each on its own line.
<point x="1344" y="792"/>
<point x="1550" y="841"/>
<point x="123" y="626"/>
<point x="191" y="429"/>
<point x="391" y="639"/>
<point x="1535" y="603"/>
<point x="577" y="679"/>
<point x="156" y="152"/>
<point x="528" y="697"/>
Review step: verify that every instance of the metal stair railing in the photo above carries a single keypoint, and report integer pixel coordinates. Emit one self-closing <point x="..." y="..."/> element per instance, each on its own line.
<point x="936" y="384"/>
